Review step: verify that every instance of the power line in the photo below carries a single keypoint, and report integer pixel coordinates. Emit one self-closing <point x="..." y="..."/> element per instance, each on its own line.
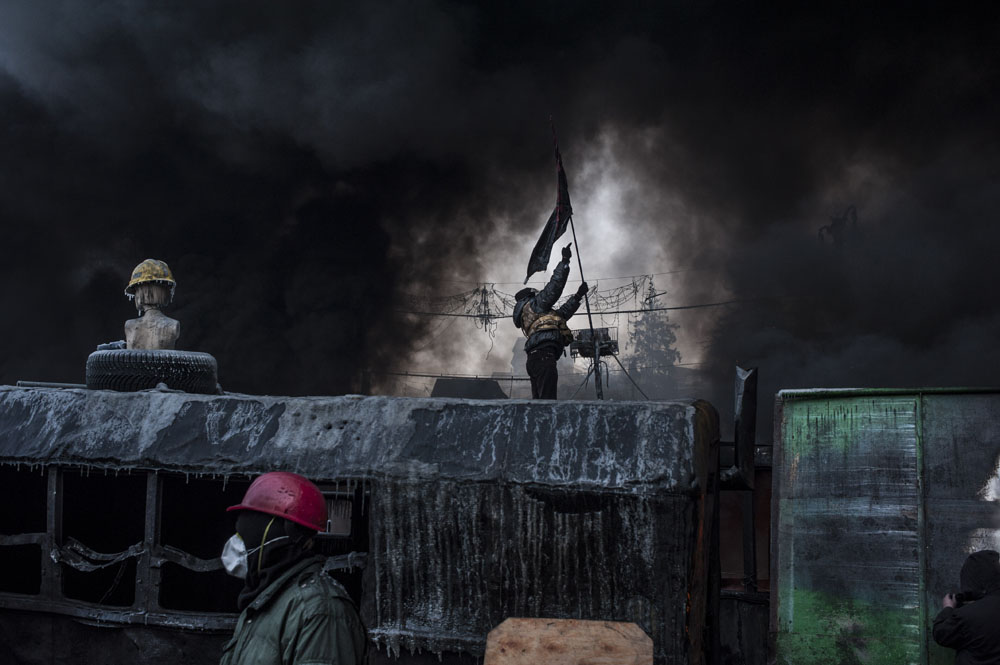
<point x="600" y="313"/>
<point x="445" y="375"/>
<point x="674" y="308"/>
<point x="431" y="375"/>
<point x="595" y="280"/>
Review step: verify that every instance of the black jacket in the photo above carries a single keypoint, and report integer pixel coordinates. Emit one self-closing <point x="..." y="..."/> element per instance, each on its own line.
<point x="543" y="301"/>
<point x="973" y="629"/>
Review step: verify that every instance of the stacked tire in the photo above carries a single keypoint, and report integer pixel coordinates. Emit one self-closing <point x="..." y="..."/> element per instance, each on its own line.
<point x="129" y="370"/>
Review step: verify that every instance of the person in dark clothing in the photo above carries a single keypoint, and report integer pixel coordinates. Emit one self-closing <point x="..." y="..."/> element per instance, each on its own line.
<point x="546" y="328"/>
<point x="970" y="622"/>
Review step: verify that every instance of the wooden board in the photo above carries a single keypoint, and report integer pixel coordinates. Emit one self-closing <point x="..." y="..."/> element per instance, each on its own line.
<point x="567" y="642"/>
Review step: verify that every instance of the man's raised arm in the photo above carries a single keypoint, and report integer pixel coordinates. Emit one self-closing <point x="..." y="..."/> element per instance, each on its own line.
<point x="572" y="303"/>
<point x="548" y="296"/>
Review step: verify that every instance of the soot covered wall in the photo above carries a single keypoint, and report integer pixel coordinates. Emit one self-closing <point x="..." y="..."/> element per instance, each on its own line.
<point x="480" y="510"/>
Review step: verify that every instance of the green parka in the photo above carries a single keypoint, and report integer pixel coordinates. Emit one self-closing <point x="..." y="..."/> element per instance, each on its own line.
<point x="304" y="617"/>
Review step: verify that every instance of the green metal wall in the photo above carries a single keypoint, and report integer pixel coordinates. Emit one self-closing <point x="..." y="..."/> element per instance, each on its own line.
<point x="878" y="498"/>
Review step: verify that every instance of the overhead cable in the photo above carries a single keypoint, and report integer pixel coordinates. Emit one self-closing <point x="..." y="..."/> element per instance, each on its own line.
<point x="601" y="313"/>
<point x="542" y="281"/>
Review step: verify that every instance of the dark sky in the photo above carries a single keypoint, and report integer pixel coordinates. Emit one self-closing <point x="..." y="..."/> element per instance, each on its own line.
<point x="300" y="166"/>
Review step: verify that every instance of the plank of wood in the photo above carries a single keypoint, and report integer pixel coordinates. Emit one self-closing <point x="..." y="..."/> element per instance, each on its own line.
<point x="567" y="642"/>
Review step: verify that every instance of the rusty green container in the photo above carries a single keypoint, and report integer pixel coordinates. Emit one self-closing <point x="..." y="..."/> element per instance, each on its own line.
<point x="878" y="497"/>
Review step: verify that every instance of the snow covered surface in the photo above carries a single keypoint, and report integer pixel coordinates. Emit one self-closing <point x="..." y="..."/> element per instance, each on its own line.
<point x="602" y="444"/>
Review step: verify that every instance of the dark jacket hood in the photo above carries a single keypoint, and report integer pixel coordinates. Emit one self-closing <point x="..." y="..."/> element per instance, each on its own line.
<point x="981" y="573"/>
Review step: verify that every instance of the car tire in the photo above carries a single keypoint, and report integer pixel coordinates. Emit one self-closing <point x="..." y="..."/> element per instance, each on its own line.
<point x="129" y="370"/>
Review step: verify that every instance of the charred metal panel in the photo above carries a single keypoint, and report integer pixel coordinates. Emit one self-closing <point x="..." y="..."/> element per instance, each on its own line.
<point x="961" y="443"/>
<point x="40" y="639"/>
<point x="878" y="497"/>
<point x="475" y="555"/>
<point x="578" y="444"/>
<point x="848" y="578"/>
<point x="480" y="510"/>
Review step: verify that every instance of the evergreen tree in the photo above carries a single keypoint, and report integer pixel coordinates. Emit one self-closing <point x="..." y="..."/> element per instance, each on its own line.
<point x="651" y="340"/>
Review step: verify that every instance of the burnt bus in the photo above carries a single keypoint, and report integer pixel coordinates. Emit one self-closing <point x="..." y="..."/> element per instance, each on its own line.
<point x="447" y="517"/>
<point x="878" y="497"/>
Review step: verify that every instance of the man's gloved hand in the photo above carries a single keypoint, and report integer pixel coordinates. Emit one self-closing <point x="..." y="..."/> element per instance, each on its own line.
<point x="582" y="291"/>
<point x="567" y="254"/>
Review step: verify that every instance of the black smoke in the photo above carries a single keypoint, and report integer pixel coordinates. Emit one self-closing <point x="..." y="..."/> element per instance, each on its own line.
<point x="304" y="168"/>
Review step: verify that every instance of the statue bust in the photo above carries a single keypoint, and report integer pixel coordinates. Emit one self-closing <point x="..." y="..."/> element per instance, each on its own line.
<point x="152" y="289"/>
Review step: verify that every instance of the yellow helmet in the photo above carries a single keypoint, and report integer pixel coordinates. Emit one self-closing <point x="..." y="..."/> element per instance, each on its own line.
<point x="150" y="270"/>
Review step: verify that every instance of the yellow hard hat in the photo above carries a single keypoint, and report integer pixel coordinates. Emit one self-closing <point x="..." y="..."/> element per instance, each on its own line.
<point x="150" y="270"/>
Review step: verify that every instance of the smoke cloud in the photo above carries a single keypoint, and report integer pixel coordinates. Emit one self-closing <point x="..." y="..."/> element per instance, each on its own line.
<point x="305" y="169"/>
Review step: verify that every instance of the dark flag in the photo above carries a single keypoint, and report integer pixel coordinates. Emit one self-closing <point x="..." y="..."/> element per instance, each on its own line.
<point x="555" y="227"/>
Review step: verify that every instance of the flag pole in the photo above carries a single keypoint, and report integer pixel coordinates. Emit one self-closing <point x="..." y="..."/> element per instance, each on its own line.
<point x="590" y="319"/>
<point x="586" y="298"/>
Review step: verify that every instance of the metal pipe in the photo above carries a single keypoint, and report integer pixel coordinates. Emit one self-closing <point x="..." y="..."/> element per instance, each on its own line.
<point x="630" y="377"/>
<point x="48" y="384"/>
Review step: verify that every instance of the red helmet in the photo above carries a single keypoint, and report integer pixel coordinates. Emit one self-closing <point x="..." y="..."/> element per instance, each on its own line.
<point x="287" y="495"/>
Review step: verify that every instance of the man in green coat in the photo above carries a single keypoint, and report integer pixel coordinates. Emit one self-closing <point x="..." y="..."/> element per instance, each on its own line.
<point x="292" y="613"/>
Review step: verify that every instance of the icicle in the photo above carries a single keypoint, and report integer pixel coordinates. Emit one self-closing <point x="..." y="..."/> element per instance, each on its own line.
<point x="393" y="645"/>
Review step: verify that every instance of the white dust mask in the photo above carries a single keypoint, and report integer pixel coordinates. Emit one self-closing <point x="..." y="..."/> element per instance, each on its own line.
<point x="235" y="555"/>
